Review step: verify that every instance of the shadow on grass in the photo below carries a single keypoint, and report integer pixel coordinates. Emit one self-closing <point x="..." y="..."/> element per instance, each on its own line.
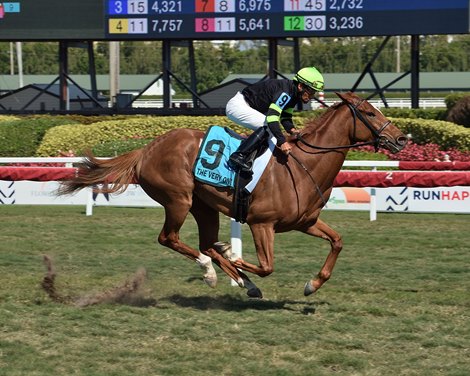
<point x="236" y="304"/>
<point x="132" y="293"/>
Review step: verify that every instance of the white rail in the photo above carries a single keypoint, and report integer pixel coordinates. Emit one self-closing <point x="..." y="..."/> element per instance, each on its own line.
<point x="67" y="160"/>
<point x="158" y="103"/>
<point x="396" y="103"/>
<point x="392" y="103"/>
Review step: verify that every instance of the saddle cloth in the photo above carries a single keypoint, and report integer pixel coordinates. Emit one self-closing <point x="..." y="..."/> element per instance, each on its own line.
<point x="211" y="165"/>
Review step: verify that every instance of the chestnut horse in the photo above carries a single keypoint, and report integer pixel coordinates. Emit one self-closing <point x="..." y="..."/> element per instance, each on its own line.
<point x="289" y="196"/>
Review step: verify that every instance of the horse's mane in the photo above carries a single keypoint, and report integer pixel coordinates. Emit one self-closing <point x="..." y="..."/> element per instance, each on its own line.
<point x="313" y="124"/>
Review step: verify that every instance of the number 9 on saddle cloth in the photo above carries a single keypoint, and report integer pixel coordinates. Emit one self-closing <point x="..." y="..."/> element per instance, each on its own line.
<point x="212" y="167"/>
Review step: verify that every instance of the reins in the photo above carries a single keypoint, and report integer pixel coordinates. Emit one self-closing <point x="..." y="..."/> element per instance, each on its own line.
<point x="299" y="137"/>
<point x="356" y="115"/>
<point x="311" y="178"/>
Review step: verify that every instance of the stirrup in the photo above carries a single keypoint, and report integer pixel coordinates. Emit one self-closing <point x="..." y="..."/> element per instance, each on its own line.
<point x="238" y="164"/>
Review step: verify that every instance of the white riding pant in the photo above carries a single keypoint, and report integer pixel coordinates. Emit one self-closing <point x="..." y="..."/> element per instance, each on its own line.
<point x="241" y="113"/>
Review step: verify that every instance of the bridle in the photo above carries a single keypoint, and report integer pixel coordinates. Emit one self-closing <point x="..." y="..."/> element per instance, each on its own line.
<point x="356" y="114"/>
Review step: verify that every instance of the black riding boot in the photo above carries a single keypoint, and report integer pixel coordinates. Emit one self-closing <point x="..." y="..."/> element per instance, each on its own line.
<point x="239" y="159"/>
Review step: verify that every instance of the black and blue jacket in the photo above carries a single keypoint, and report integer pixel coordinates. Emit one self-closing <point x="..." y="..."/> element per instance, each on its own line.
<point x="277" y="100"/>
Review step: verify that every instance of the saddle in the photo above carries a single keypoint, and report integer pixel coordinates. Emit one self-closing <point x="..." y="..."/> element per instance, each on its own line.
<point x="211" y="167"/>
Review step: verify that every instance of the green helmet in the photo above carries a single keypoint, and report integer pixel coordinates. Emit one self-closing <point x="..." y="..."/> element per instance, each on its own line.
<point x="311" y="78"/>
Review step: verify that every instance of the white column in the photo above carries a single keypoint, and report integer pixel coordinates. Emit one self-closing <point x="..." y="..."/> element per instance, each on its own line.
<point x="114" y="68"/>
<point x="373" y="202"/>
<point x="236" y="241"/>
<point x="19" y="54"/>
<point x="89" y="202"/>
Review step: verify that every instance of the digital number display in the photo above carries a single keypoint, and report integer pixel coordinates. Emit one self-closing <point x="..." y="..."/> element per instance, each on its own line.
<point x="227" y="19"/>
<point x="207" y="19"/>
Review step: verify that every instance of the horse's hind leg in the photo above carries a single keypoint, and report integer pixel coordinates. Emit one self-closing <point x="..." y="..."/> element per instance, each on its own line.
<point x="208" y="223"/>
<point x="169" y="237"/>
<point x="322" y="230"/>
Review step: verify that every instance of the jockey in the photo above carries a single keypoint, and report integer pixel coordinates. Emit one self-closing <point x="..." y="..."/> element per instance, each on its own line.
<point x="266" y="105"/>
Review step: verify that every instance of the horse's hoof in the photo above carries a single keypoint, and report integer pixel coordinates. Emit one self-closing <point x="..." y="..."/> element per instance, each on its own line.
<point x="309" y="289"/>
<point x="254" y="293"/>
<point x="211" y="281"/>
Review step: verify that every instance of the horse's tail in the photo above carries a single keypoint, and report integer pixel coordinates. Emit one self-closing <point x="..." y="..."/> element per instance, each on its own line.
<point x="115" y="174"/>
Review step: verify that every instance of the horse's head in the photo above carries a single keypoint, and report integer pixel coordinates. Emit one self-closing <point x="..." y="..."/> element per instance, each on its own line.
<point x="370" y="125"/>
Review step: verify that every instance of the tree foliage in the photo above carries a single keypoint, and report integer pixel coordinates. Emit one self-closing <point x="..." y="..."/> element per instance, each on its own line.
<point x="460" y="113"/>
<point x="214" y="62"/>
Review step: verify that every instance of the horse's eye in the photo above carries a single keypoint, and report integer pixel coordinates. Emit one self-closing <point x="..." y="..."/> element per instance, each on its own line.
<point x="371" y="114"/>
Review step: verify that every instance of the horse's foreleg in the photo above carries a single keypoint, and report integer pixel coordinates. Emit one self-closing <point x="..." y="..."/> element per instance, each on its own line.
<point x="208" y="223"/>
<point x="169" y="237"/>
<point x="223" y="259"/>
<point x="240" y="278"/>
<point x="322" y="230"/>
<point x="263" y="237"/>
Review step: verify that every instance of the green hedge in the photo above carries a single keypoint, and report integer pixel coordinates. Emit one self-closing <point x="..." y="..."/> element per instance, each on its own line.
<point x="447" y="135"/>
<point x="21" y="137"/>
<point x="5" y="118"/>
<point x="116" y="136"/>
<point x="81" y="137"/>
<point x="46" y="135"/>
<point x="416" y="113"/>
<point x="116" y="147"/>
